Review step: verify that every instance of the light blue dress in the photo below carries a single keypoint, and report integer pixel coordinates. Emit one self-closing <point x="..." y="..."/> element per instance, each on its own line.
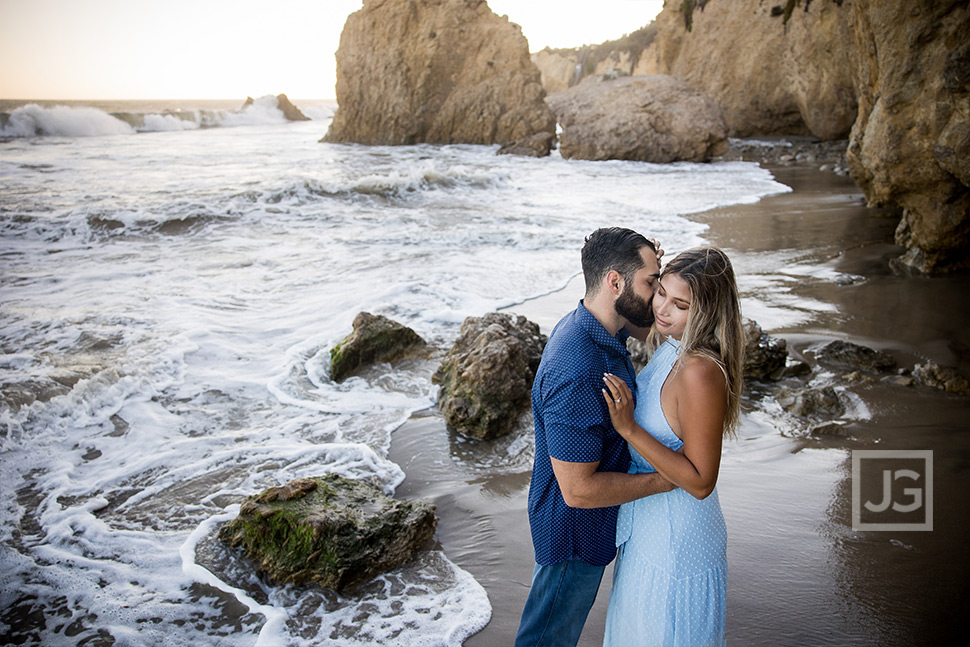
<point x="670" y="578"/>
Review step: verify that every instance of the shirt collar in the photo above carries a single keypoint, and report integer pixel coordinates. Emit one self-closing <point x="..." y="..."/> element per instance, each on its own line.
<point x="600" y="335"/>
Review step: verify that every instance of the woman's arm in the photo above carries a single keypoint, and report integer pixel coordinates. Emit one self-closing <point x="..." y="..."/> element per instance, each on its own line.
<point x="695" y="404"/>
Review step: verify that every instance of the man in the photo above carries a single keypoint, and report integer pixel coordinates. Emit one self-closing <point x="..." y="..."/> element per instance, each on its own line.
<point x="579" y="476"/>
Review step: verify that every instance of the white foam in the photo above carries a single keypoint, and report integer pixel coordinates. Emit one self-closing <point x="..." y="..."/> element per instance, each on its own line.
<point x="167" y="123"/>
<point x="32" y="120"/>
<point x="264" y="110"/>
<point x="62" y="121"/>
<point x="272" y="631"/>
<point x="317" y="113"/>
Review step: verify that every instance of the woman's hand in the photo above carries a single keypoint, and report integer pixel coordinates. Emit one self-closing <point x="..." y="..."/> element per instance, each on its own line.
<point x="656" y="246"/>
<point x="619" y="399"/>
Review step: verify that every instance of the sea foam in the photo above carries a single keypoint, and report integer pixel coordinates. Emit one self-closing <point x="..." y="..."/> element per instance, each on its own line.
<point x="33" y="120"/>
<point x="62" y="121"/>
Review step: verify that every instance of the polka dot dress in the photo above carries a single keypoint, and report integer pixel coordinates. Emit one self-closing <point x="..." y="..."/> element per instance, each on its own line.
<point x="670" y="578"/>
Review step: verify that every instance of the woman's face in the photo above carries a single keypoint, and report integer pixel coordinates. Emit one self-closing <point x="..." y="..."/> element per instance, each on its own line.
<point x="670" y="306"/>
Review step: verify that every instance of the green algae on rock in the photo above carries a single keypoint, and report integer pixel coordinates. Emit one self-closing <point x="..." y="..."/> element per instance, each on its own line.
<point x="375" y="339"/>
<point x="334" y="531"/>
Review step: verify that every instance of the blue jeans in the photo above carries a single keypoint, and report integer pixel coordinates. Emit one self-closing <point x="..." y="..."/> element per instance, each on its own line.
<point x="558" y="603"/>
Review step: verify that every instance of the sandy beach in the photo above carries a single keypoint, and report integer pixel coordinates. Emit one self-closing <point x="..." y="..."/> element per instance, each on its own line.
<point x="814" y="266"/>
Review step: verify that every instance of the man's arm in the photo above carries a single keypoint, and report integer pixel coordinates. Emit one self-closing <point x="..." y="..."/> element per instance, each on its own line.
<point x="583" y="487"/>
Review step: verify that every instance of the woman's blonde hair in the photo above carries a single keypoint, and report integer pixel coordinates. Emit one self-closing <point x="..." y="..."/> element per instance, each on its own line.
<point x="714" y="327"/>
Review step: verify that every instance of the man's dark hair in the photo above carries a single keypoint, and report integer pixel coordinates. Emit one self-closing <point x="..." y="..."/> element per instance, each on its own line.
<point x="612" y="248"/>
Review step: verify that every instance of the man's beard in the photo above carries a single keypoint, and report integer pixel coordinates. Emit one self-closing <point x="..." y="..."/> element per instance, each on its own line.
<point x="634" y="309"/>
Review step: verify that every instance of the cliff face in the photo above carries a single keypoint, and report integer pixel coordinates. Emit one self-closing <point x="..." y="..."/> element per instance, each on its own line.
<point x="435" y="71"/>
<point x="771" y="76"/>
<point x="910" y="145"/>
<point x="632" y="55"/>
<point x="893" y="75"/>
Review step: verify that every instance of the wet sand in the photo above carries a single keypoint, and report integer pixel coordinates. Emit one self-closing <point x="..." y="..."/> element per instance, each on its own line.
<point x="813" y="266"/>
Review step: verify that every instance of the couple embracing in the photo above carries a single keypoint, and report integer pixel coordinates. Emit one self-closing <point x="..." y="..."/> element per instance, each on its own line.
<point x="631" y="461"/>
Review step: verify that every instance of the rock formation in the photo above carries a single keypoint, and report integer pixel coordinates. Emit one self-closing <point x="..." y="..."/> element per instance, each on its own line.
<point x="910" y="145"/>
<point x="763" y="354"/>
<point x="537" y="145"/>
<point x="331" y="530"/>
<point x="814" y="403"/>
<point x="291" y="112"/>
<point x="641" y="118"/>
<point x="892" y="74"/>
<point x="846" y="355"/>
<point x="771" y="76"/>
<point x="633" y="55"/>
<point x="375" y="338"/>
<point x="486" y="378"/>
<point x="435" y="71"/>
<point x="945" y="378"/>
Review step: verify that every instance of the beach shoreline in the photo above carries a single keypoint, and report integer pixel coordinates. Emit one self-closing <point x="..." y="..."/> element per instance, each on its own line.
<point x="825" y="592"/>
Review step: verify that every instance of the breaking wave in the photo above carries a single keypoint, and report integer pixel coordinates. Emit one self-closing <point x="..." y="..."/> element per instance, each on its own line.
<point x="34" y="120"/>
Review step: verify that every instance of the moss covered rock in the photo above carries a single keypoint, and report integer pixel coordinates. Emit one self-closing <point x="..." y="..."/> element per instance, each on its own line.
<point x="375" y="339"/>
<point x="332" y="530"/>
<point x="486" y="378"/>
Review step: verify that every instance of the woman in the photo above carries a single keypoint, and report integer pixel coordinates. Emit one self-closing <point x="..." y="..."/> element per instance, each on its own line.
<point x="670" y="578"/>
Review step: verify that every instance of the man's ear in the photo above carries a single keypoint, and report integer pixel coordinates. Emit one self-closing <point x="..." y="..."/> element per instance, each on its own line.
<point x="614" y="282"/>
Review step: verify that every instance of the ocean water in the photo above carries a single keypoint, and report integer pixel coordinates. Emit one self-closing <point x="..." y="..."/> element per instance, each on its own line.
<point x="183" y="275"/>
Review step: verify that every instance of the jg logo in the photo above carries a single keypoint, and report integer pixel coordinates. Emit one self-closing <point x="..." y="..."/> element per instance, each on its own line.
<point x="892" y="490"/>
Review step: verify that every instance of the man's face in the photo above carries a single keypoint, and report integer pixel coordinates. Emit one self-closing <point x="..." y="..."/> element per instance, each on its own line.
<point x="633" y="304"/>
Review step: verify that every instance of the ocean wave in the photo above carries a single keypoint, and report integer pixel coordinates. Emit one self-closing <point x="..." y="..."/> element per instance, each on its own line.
<point x="64" y="121"/>
<point x="34" y="120"/>
<point x="395" y="185"/>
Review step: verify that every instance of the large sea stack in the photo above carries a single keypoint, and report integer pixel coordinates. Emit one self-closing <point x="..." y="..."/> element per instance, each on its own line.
<point x="435" y="71"/>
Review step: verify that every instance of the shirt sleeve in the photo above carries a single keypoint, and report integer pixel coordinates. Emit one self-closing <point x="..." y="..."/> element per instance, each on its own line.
<point x="576" y="420"/>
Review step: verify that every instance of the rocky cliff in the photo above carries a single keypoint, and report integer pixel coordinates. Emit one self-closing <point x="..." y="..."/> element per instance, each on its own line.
<point x="771" y="74"/>
<point x="634" y="54"/>
<point x="892" y="75"/>
<point x="435" y="71"/>
<point x="910" y="145"/>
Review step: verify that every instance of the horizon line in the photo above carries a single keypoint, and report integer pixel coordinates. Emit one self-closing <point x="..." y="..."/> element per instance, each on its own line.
<point x="167" y="98"/>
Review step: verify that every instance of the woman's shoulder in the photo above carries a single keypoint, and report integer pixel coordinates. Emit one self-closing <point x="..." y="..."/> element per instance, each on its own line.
<point x="699" y="371"/>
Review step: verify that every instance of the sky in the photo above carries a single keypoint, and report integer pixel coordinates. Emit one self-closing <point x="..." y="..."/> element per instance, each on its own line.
<point x="230" y="49"/>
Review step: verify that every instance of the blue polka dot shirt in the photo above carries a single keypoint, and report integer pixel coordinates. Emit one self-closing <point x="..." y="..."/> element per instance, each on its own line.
<point x="572" y="423"/>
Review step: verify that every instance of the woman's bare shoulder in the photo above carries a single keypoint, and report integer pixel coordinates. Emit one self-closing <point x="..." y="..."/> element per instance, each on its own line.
<point x="701" y="371"/>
